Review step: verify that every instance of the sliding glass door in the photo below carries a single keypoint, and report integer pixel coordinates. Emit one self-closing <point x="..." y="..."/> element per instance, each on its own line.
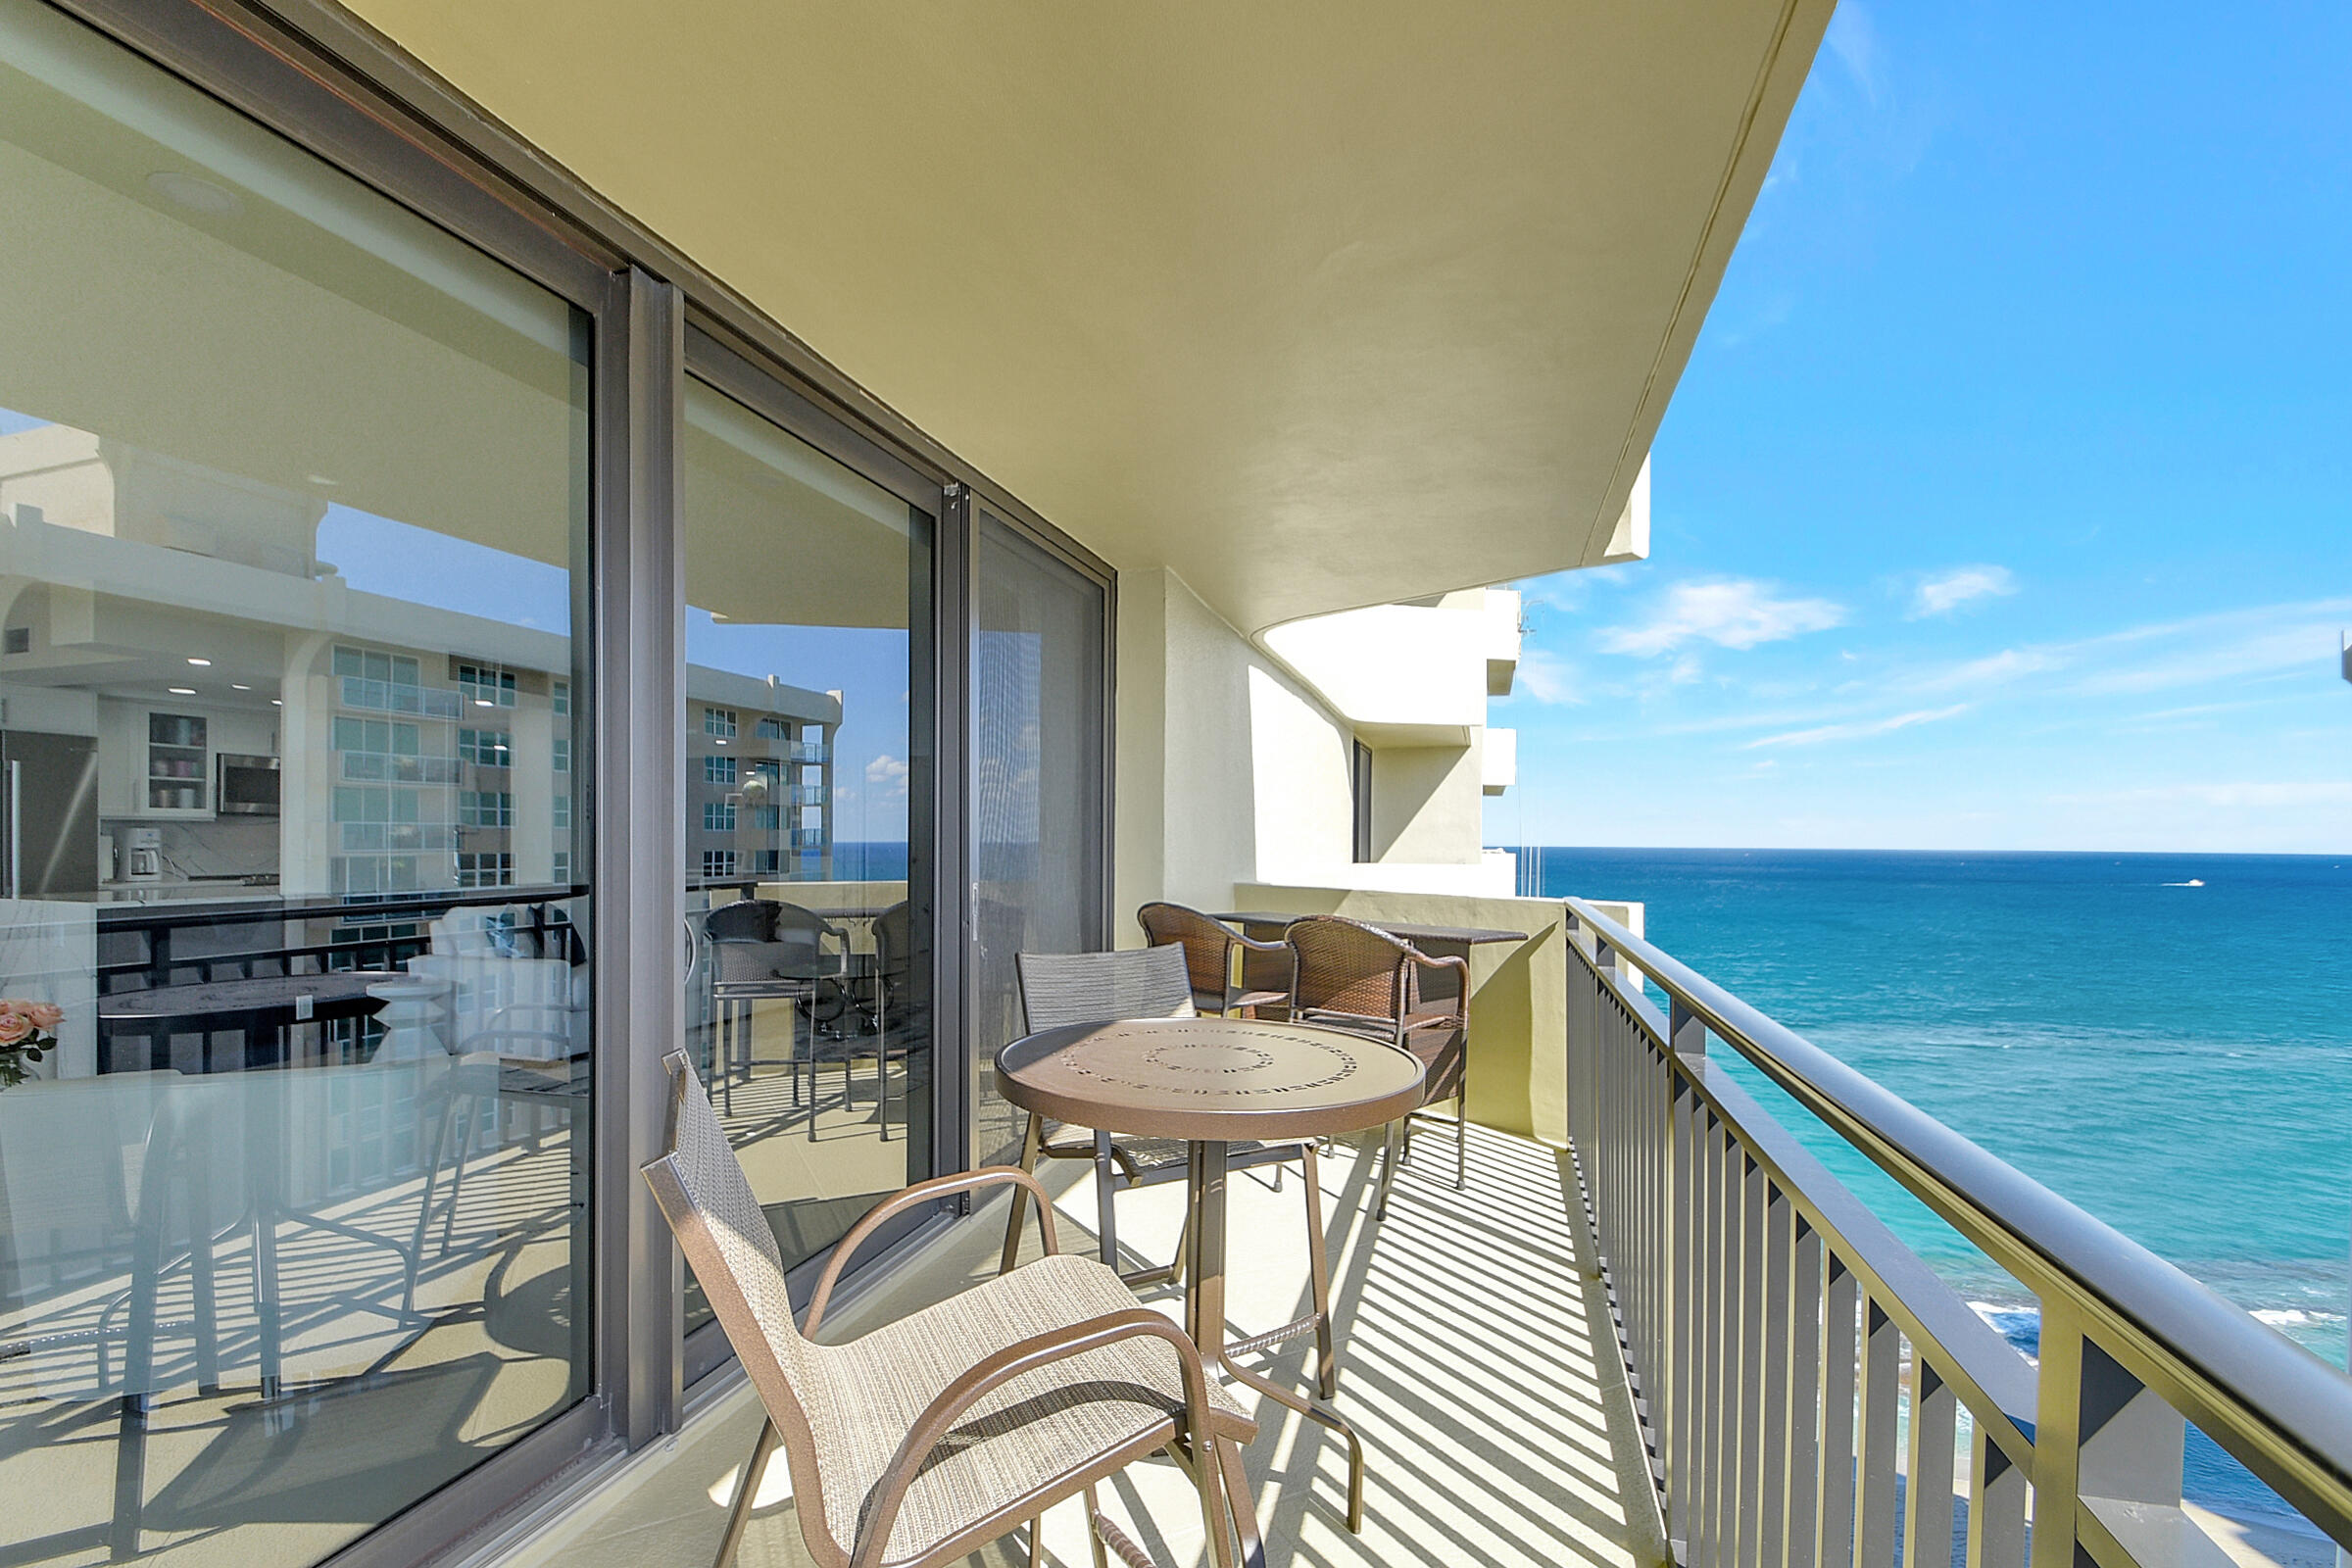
<point x="808" y="933"/>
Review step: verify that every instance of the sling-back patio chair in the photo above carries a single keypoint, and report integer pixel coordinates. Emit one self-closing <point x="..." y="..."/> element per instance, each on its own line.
<point x="927" y="1439"/>
<point x="1060" y="988"/>
<point x="1351" y="976"/>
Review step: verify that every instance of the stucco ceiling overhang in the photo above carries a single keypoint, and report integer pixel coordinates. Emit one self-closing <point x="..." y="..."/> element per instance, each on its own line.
<point x="1318" y="305"/>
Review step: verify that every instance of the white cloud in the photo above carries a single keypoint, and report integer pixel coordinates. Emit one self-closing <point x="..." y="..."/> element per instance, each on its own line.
<point x="888" y="772"/>
<point x="2267" y="795"/>
<point x="1948" y="591"/>
<point x="1855" y="41"/>
<point x="1544" y="678"/>
<point x="1858" y="730"/>
<point x="1732" y="613"/>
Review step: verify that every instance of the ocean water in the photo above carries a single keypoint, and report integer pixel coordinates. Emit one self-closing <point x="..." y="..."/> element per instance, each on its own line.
<point x="2165" y="1039"/>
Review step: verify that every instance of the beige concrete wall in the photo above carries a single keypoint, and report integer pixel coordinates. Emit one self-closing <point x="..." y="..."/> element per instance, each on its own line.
<point x="1425" y="804"/>
<point x="1226" y="766"/>
<point x="1518" y="996"/>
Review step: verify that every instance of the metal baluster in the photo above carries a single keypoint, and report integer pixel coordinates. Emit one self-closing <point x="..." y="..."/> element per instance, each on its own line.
<point x="1802" y="1475"/>
<point x="1682" y="1376"/>
<point x="1928" y="1496"/>
<point x="1753" y="1198"/>
<point x="1881" y="1394"/>
<point x="1996" y="1506"/>
<point x="1707" y="1404"/>
<point x="1772" y="1505"/>
<point x="1840" y="1362"/>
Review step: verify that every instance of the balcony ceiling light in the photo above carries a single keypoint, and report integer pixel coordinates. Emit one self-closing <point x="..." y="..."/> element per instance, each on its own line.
<point x="183" y="691"/>
<point x="200" y="663"/>
<point x="235" y="687"/>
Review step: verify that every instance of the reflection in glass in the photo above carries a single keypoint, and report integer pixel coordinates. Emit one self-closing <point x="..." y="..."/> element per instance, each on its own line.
<point x="807" y="993"/>
<point x="1037" y="797"/>
<point x="292" y="487"/>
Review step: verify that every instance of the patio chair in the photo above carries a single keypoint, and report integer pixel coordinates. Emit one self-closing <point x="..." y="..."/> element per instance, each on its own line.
<point x="763" y="950"/>
<point x="1060" y="989"/>
<point x="1353" y="977"/>
<point x="926" y="1440"/>
<point x="1231" y="973"/>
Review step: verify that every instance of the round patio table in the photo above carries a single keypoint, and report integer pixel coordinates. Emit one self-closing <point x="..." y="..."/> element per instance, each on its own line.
<point x="253" y="1006"/>
<point x="1213" y="1081"/>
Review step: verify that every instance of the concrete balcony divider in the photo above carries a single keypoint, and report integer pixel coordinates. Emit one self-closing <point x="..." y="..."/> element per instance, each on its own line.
<point x="1518" y="991"/>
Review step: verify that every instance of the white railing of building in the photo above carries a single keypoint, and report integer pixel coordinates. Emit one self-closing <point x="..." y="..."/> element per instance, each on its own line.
<point x="1781" y="1340"/>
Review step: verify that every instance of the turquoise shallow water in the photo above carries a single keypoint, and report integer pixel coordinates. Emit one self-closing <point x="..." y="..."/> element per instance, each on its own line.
<point x="2176" y="1059"/>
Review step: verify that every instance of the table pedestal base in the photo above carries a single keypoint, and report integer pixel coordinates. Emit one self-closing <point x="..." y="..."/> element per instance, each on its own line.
<point x="1204" y="1310"/>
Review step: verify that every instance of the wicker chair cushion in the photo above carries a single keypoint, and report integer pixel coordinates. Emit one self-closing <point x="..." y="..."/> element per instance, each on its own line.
<point x="1031" y="1431"/>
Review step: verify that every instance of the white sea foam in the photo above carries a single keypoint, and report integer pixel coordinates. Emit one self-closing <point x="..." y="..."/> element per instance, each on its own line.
<point x="2291" y="1317"/>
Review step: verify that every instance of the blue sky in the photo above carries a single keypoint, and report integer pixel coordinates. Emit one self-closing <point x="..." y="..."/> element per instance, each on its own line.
<point x="2006" y="502"/>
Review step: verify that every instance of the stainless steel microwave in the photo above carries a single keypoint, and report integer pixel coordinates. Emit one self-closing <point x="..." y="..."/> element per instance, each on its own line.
<point x="247" y="785"/>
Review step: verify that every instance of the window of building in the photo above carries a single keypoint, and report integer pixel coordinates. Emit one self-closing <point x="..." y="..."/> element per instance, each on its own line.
<point x="768" y="819"/>
<point x="719" y="721"/>
<point x="559" y="815"/>
<point x="774" y="729"/>
<point x="770" y="862"/>
<point x="559" y="754"/>
<point x="559" y="697"/>
<point x="485" y="870"/>
<point x="718" y="816"/>
<point x="1360" y="799"/>
<point x="560" y="865"/>
<point x="485" y="808"/>
<point x="485" y="686"/>
<point x="486" y="747"/>
<point x="718" y="770"/>
<point x="719" y="863"/>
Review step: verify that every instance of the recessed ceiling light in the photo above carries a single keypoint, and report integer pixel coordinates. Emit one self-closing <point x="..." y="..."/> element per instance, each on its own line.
<point x="277" y="701"/>
<point x="483" y="701"/>
<point x="322" y="479"/>
<point x="183" y="691"/>
<point x="235" y="687"/>
<point x="196" y="195"/>
<point x="201" y="664"/>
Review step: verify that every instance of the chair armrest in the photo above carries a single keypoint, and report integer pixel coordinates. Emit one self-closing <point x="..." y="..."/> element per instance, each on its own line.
<point x="923" y="1192"/>
<point x="1461" y="967"/>
<point x="1012" y="1361"/>
<point x="1244" y="940"/>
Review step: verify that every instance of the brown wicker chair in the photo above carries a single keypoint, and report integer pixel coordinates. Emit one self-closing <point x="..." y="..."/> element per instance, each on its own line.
<point x="1231" y="973"/>
<point x="1351" y="976"/>
<point x="926" y="1440"/>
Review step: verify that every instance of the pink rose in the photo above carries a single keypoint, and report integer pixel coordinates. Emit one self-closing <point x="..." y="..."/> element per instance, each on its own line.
<point x="14" y="1027"/>
<point x="45" y="1015"/>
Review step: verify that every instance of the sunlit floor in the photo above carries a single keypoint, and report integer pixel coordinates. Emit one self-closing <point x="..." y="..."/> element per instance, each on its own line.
<point x="1497" y="1427"/>
<point x="386" y="1394"/>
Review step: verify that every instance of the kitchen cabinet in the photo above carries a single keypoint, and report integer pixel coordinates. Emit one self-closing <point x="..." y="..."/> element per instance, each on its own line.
<point x="157" y="763"/>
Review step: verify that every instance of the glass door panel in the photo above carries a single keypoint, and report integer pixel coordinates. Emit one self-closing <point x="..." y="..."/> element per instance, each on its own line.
<point x="808" y="982"/>
<point x="293" y="1208"/>
<point x="1037" y="800"/>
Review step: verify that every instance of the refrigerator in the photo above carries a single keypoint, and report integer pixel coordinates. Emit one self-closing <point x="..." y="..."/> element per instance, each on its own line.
<point x="48" y="815"/>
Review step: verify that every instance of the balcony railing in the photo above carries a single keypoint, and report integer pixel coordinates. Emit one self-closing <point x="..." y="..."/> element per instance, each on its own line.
<point x="391" y="697"/>
<point x="1765" y="1313"/>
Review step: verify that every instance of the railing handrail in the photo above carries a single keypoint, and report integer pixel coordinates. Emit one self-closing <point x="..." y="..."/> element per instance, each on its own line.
<point x="2282" y="1412"/>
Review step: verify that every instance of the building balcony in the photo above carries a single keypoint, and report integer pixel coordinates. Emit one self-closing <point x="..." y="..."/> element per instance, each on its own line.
<point x="1651" y="1327"/>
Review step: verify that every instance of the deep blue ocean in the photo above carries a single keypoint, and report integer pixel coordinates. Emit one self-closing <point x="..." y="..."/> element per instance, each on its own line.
<point x="2164" y="1039"/>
